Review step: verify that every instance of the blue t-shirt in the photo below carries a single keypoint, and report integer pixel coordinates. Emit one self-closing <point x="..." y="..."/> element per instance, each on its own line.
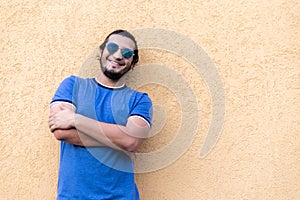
<point x="99" y="173"/>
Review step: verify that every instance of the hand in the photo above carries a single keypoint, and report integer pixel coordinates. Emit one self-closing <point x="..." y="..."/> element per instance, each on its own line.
<point x="62" y="119"/>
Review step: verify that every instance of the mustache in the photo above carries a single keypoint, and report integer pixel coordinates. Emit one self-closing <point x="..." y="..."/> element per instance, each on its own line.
<point x="111" y="74"/>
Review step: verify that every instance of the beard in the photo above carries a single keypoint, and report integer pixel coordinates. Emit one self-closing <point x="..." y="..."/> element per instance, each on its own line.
<point x="111" y="74"/>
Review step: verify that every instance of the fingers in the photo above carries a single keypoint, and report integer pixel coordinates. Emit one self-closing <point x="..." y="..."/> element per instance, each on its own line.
<point x="54" y="125"/>
<point x="52" y="128"/>
<point x="57" y="114"/>
<point x="57" y="121"/>
<point x="51" y="124"/>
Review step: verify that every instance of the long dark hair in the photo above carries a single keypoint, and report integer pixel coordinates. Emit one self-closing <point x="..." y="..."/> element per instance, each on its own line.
<point x="128" y="35"/>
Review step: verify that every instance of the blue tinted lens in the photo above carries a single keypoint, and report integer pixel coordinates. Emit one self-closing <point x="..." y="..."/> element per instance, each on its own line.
<point x="112" y="47"/>
<point x="127" y="53"/>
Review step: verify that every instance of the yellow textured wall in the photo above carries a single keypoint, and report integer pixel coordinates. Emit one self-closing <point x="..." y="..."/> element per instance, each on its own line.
<point x="254" y="46"/>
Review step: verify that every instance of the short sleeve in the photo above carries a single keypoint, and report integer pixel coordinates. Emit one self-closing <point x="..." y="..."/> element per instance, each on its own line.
<point x="143" y="107"/>
<point x="65" y="91"/>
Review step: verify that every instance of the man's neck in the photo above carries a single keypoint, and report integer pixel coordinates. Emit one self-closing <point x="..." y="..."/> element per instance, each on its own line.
<point x="104" y="80"/>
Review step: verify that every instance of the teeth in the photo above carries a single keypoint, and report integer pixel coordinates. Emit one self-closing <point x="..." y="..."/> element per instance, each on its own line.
<point x="116" y="63"/>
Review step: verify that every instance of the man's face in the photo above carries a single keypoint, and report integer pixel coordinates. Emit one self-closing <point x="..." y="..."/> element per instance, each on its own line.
<point x="113" y="64"/>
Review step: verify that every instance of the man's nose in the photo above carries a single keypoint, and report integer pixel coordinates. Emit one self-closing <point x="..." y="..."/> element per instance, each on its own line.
<point x="118" y="54"/>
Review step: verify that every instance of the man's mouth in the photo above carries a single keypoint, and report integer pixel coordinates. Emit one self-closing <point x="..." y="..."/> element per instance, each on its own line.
<point x="115" y="63"/>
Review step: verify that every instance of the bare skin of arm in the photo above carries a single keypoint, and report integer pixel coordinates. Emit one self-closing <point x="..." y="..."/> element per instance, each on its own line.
<point x="71" y="135"/>
<point x="127" y="137"/>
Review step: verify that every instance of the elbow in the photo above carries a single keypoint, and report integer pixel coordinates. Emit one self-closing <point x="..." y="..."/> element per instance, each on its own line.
<point x="132" y="144"/>
<point x="58" y="134"/>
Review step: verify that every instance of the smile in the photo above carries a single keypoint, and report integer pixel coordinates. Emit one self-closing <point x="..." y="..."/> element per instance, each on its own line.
<point x="115" y="63"/>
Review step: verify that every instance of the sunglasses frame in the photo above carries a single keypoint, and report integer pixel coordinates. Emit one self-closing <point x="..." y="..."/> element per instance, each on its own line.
<point x="116" y="47"/>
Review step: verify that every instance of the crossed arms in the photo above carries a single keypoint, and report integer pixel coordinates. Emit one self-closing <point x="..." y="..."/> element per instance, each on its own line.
<point x="77" y="129"/>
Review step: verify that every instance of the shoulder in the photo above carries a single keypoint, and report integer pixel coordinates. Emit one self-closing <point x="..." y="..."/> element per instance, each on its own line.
<point x="69" y="80"/>
<point x="141" y="107"/>
<point x="75" y="80"/>
<point x="137" y="94"/>
<point x="136" y="97"/>
<point x="65" y="90"/>
<point x="142" y="97"/>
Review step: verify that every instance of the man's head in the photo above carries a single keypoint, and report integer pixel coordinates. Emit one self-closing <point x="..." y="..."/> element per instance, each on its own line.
<point x="119" y="54"/>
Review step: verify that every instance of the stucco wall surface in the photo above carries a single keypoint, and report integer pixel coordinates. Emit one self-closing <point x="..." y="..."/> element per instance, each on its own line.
<point x="254" y="46"/>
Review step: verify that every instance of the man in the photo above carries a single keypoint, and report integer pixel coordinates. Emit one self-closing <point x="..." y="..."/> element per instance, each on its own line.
<point x="100" y="123"/>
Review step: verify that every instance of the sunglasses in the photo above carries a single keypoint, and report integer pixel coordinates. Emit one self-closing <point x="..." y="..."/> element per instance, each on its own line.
<point x="113" y="47"/>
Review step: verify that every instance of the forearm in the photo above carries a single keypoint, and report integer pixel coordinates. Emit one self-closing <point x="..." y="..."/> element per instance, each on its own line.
<point x="126" y="138"/>
<point x="116" y="136"/>
<point x="72" y="136"/>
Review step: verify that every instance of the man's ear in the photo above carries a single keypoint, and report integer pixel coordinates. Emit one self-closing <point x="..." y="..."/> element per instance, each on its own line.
<point x="99" y="53"/>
